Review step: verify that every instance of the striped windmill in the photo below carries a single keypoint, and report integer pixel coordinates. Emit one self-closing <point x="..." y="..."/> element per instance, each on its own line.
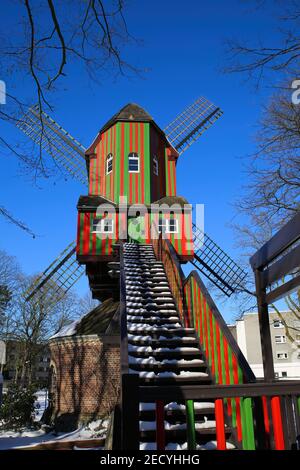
<point x="140" y="129"/>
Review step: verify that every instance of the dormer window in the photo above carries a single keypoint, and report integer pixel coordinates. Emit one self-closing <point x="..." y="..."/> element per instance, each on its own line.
<point x="167" y="225"/>
<point x="109" y="163"/>
<point x="155" y="165"/>
<point x="104" y="225"/>
<point x="133" y="163"/>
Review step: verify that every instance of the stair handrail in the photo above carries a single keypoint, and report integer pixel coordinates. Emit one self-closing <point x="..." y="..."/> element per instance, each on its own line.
<point x="242" y="361"/>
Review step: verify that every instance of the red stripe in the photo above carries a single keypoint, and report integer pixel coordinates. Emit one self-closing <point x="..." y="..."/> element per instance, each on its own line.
<point x="229" y="409"/>
<point x="266" y="414"/>
<point x="130" y="174"/>
<point x="86" y="233"/>
<point x="78" y="234"/>
<point x="200" y="316"/>
<point x="212" y="350"/>
<point x="277" y="424"/>
<point x="237" y="400"/>
<point x="137" y="175"/>
<point x="220" y="424"/>
<point x="219" y="353"/>
<point x="174" y="177"/>
<point x="104" y="161"/>
<point x="160" y="425"/>
<point x="122" y="161"/>
<point x="94" y="239"/>
<point x="205" y="329"/>
<point x="169" y="175"/>
<point x="143" y="165"/>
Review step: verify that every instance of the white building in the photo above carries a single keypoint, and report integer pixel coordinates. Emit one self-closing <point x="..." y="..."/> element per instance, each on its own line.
<point x="285" y="343"/>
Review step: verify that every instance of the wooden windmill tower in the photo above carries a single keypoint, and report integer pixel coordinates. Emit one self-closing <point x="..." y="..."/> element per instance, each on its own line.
<point x="131" y="158"/>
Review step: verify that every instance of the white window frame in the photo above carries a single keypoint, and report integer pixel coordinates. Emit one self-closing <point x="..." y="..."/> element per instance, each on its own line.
<point x="134" y="156"/>
<point x="281" y="325"/>
<point x="99" y="225"/>
<point x="155" y="165"/>
<point x="109" y="162"/>
<point x="282" y="339"/>
<point x="164" y="226"/>
<point x="168" y="226"/>
<point x="282" y="353"/>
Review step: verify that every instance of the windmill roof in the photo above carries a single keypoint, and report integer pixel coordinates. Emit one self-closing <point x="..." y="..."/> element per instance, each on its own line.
<point x="170" y="200"/>
<point x="91" y="202"/>
<point x="130" y="112"/>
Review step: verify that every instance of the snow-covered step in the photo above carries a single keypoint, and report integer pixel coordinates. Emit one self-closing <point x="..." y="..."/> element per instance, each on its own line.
<point x="210" y="445"/>
<point x="162" y="341"/>
<point x="169" y="377"/>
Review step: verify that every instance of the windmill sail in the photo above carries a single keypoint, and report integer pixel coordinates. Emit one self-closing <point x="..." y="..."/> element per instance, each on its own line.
<point x="59" y="277"/>
<point x="215" y="264"/>
<point x="57" y="142"/>
<point x="188" y="126"/>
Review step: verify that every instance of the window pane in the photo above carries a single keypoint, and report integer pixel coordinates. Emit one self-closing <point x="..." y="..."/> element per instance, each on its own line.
<point x="133" y="162"/>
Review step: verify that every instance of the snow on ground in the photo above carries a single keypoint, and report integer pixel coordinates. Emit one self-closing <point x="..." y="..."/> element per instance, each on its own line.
<point x="28" y="437"/>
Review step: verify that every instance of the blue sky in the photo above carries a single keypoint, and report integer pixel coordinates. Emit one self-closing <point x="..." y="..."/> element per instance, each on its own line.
<point x="183" y="50"/>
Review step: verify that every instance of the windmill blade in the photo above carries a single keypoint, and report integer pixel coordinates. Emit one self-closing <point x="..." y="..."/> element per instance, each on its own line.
<point x="188" y="126"/>
<point x="215" y="264"/>
<point x="57" y="142"/>
<point x="59" y="277"/>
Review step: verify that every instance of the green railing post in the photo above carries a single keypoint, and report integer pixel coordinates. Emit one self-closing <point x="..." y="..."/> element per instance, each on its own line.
<point x="248" y="439"/>
<point x="190" y="424"/>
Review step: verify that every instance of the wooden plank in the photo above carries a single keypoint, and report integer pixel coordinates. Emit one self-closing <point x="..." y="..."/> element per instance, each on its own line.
<point x="281" y="267"/>
<point x="283" y="290"/>
<point x="277" y="244"/>
<point x="150" y="393"/>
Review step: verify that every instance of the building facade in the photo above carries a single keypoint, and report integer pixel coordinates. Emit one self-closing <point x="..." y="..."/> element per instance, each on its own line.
<point x="285" y="337"/>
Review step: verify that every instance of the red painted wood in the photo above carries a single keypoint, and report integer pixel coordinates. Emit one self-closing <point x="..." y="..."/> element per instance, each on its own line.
<point x="86" y="233"/>
<point x="277" y="423"/>
<point x="227" y="374"/>
<point x="160" y="425"/>
<point x="219" y="354"/>
<point x="220" y="424"/>
<point x="266" y="414"/>
<point x="212" y="349"/>
<point x="237" y="400"/>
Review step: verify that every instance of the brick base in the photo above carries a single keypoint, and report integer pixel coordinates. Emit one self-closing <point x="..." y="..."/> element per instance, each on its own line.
<point x="85" y="378"/>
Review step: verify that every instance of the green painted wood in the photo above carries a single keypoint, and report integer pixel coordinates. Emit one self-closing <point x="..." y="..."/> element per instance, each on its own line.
<point x="248" y="439"/>
<point x="190" y="424"/>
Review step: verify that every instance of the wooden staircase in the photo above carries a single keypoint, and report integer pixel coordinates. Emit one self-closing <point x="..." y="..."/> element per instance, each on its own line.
<point x="162" y="352"/>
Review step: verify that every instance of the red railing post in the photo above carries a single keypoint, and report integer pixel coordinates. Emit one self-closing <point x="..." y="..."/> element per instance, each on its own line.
<point x="277" y="423"/>
<point x="220" y="424"/>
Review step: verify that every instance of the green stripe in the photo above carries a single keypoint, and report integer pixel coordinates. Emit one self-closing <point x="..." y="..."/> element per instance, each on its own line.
<point x="147" y="163"/>
<point x="190" y="424"/>
<point x="126" y="151"/>
<point x="248" y="439"/>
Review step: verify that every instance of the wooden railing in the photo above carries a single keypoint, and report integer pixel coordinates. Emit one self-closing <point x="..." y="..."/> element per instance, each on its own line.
<point x="282" y="421"/>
